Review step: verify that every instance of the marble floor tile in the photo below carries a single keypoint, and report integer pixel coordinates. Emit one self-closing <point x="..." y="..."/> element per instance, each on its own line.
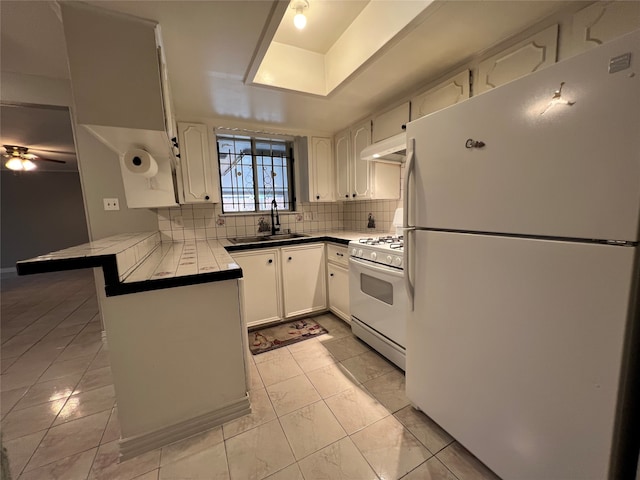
<point x="292" y="394"/>
<point x="22" y="422"/>
<point x="337" y="328"/>
<point x="277" y="354"/>
<point x="254" y="379"/>
<point x="311" y="428"/>
<point x="152" y="475"/>
<point x="18" y="376"/>
<point x="87" y="403"/>
<point x="312" y="355"/>
<point x="101" y="359"/>
<point x="99" y="377"/>
<point x="259" y="452"/>
<point x="463" y="464"/>
<point x="338" y="461"/>
<point x="7" y="362"/>
<point x="19" y="450"/>
<point x="64" y="331"/>
<point x="190" y="446"/>
<point x="107" y="467"/>
<point x="75" y="467"/>
<point x="275" y="371"/>
<point x="61" y="368"/>
<point x="68" y="439"/>
<point x="367" y="366"/>
<point x="261" y="412"/>
<point x="112" y="431"/>
<point x="58" y="389"/>
<point x="424" y="429"/>
<point x="390" y="448"/>
<point x="355" y="409"/>
<point x="292" y="472"/>
<point x="9" y="398"/>
<point x="332" y="379"/>
<point x="80" y="350"/>
<point x="346" y="347"/>
<point x="389" y="390"/>
<point x="432" y="469"/>
<point x="207" y="464"/>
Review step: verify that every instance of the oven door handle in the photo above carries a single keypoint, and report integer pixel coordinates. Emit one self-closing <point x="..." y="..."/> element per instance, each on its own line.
<point x="379" y="269"/>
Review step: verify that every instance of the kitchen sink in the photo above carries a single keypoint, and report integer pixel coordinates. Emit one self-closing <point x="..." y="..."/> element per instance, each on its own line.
<point x="266" y="238"/>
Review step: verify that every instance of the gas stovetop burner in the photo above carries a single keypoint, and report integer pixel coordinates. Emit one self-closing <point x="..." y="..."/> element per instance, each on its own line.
<point x="389" y="240"/>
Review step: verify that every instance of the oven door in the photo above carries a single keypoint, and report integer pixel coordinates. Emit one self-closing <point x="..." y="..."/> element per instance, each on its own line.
<point x="378" y="298"/>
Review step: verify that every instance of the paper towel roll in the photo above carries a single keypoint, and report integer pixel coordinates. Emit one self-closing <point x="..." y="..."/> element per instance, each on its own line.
<point x="140" y="162"/>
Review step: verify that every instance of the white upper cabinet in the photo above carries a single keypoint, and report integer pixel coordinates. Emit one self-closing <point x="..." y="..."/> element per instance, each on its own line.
<point x="342" y="151"/>
<point x="316" y="170"/>
<point x="114" y="68"/>
<point x="360" y="169"/>
<point x="358" y="179"/>
<point x="528" y="56"/>
<point x="390" y="123"/>
<point x="601" y="22"/>
<point x="197" y="168"/>
<point x="445" y="94"/>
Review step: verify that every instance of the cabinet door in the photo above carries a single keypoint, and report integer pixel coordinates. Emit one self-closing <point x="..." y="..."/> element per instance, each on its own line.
<point x="262" y="292"/>
<point x="390" y="123"/>
<point x="339" y="291"/>
<point x="342" y="140"/>
<point x="196" y="168"/>
<point x="321" y="170"/>
<point x="531" y="55"/>
<point x="303" y="279"/>
<point x="360" y="138"/>
<point x="449" y="92"/>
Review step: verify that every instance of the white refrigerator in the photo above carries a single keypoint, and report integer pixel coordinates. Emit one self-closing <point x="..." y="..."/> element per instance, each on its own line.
<point x="522" y="219"/>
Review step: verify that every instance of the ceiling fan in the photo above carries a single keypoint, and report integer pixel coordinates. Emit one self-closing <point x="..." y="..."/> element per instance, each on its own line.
<point x="19" y="158"/>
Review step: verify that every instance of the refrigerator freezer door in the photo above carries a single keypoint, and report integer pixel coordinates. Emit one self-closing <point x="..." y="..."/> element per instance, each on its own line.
<point x="515" y="349"/>
<point x="572" y="171"/>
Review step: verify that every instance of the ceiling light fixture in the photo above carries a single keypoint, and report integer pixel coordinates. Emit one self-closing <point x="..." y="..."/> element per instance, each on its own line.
<point x="300" y="21"/>
<point x="18" y="158"/>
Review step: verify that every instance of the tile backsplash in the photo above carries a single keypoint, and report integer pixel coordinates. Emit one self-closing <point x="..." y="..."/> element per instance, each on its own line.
<point x="207" y="221"/>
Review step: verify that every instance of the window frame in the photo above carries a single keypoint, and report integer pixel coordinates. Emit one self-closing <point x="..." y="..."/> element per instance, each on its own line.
<point x="254" y="138"/>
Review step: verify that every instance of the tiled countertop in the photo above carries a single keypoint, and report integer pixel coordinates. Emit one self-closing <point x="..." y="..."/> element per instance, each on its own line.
<point x="138" y="262"/>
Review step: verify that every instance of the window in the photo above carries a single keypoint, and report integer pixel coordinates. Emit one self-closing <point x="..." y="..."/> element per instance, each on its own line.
<point x="253" y="172"/>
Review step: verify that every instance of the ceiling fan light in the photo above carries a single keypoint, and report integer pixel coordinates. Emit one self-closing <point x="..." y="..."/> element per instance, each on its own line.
<point x="14" y="164"/>
<point x="300" y="21"/>
<point x="28" y="165"/>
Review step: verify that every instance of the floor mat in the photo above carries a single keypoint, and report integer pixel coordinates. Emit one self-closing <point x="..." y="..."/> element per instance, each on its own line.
<point x="284" y="334"/>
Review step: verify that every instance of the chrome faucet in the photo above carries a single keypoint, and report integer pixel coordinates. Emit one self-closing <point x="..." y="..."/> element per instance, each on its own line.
<point x="275" y="218"/>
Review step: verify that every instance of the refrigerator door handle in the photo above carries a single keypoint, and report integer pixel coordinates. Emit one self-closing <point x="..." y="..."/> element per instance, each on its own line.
<point x="408" y="230"/>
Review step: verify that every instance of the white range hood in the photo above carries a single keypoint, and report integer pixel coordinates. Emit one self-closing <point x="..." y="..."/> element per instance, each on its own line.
<point x="389" y="150"/>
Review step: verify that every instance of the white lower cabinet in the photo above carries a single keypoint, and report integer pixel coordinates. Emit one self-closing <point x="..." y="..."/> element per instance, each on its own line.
<point x="303" y="279"/>
<point x="282" y="282"/>
<point x="339" y="291"/>
<point x="262" y="290"/>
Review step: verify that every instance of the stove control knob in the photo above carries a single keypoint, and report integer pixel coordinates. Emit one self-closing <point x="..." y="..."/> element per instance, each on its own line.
<point x="374" y="255"/>
<point x="397" y="261"/>
<point x="389" y="259"/>
<point x="360" y="252"/>
<point x="354" y="252"/>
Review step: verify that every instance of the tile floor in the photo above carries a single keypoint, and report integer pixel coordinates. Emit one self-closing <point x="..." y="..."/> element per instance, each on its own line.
<point x="325" y="408"/>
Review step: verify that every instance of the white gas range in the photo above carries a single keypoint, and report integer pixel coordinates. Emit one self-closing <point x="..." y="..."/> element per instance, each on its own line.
<point x="377" y="294"/>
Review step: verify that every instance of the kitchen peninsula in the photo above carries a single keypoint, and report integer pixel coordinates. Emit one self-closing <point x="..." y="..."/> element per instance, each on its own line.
<point x="173" y="318"/>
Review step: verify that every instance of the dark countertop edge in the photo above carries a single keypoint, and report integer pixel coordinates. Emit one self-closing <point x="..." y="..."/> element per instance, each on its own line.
<point x="283" y="243"/>
<point x="107" y="262"/>
<point x="161" y="283"/>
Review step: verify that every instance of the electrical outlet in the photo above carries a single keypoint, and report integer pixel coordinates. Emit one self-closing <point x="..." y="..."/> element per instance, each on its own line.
<point x="111" y="204"/>
<point x="308" y="216"/>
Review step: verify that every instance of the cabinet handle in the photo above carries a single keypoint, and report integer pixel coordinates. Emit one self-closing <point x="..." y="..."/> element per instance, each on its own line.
<point x="317" y="197"/>
<point x="354" y="195"/>
<point x="331" y="274"/>
<point x="346" y="196"/>
<point x="340" y="254"/>
<point x="271" y="260"/>
<point x="206" y="197"/>
<point x="290" y="258"/>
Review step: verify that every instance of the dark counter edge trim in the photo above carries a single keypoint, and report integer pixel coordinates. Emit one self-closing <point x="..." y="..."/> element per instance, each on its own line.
<point x="161" y="283"/>
<point x="107" y="262"/>
<point x="282" y="243"/>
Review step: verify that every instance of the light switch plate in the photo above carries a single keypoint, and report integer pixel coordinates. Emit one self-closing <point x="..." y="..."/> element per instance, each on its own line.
<point x="111" y="204"/>
<point x="308" y="216"/>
